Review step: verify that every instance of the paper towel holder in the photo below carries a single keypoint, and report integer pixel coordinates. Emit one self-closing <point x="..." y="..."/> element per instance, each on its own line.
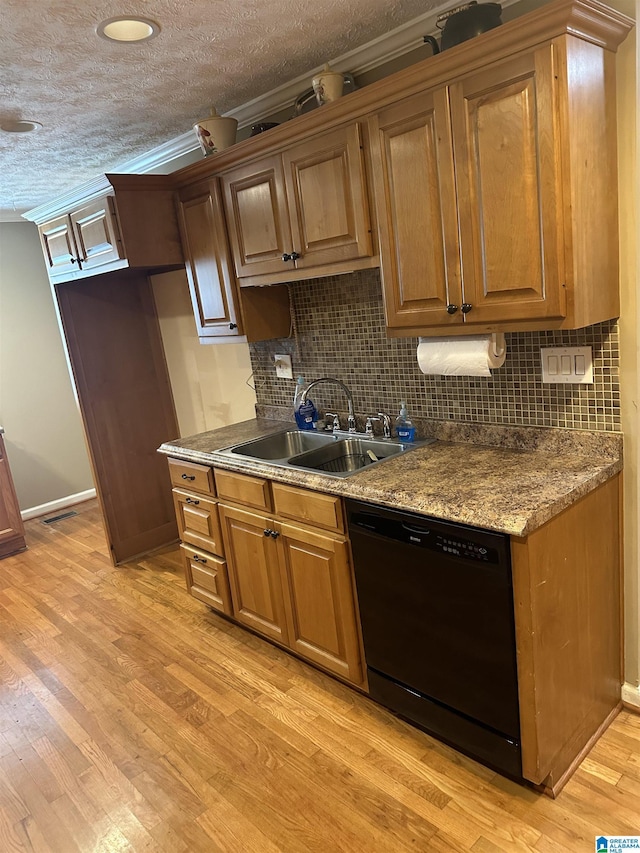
<point x="498" y="344"/>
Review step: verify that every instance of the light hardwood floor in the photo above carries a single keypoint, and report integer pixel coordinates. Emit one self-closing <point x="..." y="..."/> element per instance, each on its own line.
<point x="132" y="718"/>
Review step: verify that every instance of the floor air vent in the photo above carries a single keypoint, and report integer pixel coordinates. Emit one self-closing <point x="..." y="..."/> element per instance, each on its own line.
<point x="59" y="517"/>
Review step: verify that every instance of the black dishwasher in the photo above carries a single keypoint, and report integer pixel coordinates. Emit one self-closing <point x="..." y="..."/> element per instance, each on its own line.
<point x="436" y="604"/>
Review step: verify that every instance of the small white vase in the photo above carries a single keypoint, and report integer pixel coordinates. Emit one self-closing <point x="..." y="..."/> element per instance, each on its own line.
<point x="328" y="85"/>
<point x="215" y="133"/>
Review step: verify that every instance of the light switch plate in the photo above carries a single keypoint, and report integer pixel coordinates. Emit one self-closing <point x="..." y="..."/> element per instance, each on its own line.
<point x="567" y="365"/>
<point x="284" y="368"/>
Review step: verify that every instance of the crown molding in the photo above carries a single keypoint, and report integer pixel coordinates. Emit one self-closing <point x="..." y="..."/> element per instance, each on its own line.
<point x="381" y="50"/>
<point x="83" y="193"/>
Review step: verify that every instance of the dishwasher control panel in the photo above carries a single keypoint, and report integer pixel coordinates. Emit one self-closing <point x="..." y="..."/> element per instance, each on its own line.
<point x="465" y="548"/>
<point x="444" y="538"/>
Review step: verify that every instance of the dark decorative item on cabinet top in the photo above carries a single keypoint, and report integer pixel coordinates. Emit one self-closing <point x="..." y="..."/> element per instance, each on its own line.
<point x="465" y="22"/>
<point x="262" y="126"/>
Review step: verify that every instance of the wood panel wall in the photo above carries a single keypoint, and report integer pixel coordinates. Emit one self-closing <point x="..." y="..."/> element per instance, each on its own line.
<point x="115" y="349"/>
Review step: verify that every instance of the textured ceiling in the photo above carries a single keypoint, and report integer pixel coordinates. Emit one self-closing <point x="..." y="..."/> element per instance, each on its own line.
<point x="102" y="103"/>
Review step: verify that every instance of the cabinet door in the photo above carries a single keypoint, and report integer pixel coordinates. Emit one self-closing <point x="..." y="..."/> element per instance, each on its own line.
<point x="58" y="245"/>
<point x="327" y="195"/>
<point x="208" y="260"/>
<point x="254" y="572"/>
<point x="206" y="578"/>
<point x="417" y="214"/>
<point x="258" y="218"/>
<point x="319" y="600"/>
<point x="96" y="233"/>
<point x="198" y="522"/>
<point x="505" y="132"/>
<point x="11" y="526"/>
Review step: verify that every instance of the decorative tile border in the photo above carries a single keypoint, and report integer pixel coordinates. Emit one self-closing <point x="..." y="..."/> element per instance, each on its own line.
<point x="339" y="331"/>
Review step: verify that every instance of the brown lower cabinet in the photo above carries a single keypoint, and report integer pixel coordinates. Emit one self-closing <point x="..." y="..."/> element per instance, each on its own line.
<point x="276" y="559"/>
<point x="286" y="579"/>
<point x="11" y="526"/>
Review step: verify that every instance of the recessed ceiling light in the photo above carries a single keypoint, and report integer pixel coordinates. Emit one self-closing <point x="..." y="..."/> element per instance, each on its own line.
<point x="20" y="126"/>
<point x="128" y="29"/>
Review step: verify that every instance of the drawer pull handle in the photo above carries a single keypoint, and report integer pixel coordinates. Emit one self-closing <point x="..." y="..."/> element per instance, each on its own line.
<point x="197" y="559"/>
<point x="187" y="477"/>
<point x="191" y="501"/>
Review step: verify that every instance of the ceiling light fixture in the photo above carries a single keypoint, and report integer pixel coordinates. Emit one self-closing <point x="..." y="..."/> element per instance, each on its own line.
<point x="20" y="126"/>
<point x="128" y="29"/>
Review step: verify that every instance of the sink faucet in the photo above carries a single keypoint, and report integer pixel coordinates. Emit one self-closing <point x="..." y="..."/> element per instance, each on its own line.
<point x="386" y="421"/>
<point x="351" y="420"/>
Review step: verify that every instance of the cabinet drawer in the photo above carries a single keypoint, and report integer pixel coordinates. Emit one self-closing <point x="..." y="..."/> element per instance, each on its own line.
<point x="239" y="488"/>
<point x="311" y="507"/>
<point x="198" y="521"/>
<point x="207" y="578"/>
<point x="192" y="476"/>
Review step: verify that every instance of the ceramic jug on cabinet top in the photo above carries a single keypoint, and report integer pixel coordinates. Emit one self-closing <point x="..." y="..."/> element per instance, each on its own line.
<point x="328" y="85"/>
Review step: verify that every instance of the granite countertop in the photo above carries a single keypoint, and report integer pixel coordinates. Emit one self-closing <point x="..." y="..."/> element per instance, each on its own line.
<point x="511" y="480"/>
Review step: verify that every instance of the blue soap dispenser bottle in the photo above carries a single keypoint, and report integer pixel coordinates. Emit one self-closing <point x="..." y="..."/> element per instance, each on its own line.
<point x="405" y="430"/>
<point x="306" y="414"/>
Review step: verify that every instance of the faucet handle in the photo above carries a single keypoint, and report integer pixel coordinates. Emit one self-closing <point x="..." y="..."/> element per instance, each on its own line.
<point x="386" y="424"/>
<point x="336" y="421"/>
<point x="368" y="428"/>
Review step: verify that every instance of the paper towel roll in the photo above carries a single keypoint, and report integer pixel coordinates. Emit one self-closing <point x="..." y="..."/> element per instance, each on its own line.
<point x="472" y="355"/>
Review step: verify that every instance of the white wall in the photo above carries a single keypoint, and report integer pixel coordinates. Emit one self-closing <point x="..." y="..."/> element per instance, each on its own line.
<point x="43" y="431"/>
<point x="209" y="382"/>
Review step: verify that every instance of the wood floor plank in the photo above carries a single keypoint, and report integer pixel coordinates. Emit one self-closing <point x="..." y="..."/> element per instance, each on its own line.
<point x="132" y="718"/>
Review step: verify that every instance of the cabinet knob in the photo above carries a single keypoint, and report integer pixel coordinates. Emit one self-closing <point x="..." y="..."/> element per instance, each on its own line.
<point x="451" y="309"/>
<point x="191" y="501"/>
<point x="466" y="307"/>
<point x="290" y="256"/>
<point x="187" y="477"/>
<point x="274" y="534"/>
<point x="267" y="532"/>
<point x="233" y="325"/>
<point x="73" y="260"/>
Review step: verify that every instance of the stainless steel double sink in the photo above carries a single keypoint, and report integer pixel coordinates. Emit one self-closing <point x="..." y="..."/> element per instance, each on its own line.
<point x="336" y="454"/>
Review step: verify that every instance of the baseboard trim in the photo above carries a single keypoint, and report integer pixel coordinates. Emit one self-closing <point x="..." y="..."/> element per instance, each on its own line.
<point x="631" y="696"/>
<point x="60" y="503"/>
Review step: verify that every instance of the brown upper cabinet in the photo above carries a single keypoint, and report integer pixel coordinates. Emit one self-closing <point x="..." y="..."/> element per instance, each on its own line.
<point x="496" y="196"/>
<point x="132" y="225"/>
<point x="84" y="239"/>
<point x="291" y="213"/>
<point x="220" y="311"/>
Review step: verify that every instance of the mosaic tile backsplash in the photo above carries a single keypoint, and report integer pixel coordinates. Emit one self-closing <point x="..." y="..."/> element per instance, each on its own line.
<point x="339" y="331"/>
